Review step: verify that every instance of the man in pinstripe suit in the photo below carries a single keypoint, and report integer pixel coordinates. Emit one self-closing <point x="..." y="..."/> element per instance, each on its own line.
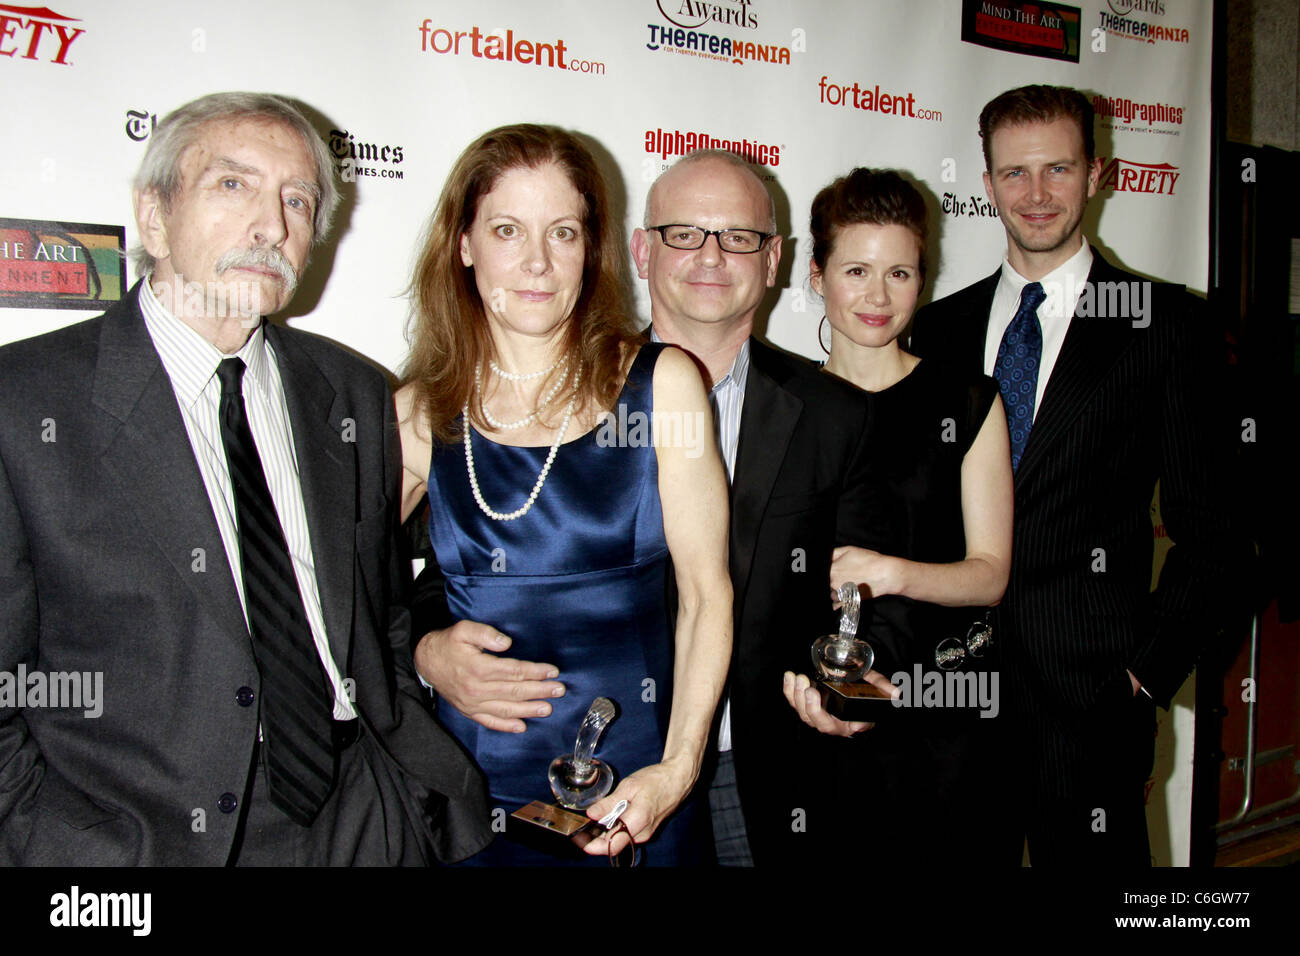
<point x="1109" y="383"/>
<point x="198" y="508"/>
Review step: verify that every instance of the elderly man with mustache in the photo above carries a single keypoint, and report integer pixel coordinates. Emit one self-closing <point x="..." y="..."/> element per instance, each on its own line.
<point x="197" y="507"/>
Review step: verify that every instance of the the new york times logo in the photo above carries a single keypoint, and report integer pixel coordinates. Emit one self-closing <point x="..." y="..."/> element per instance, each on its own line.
<point x="353" y="156"/>
<point x="140" y="124"/>
<point x="75" y="908"/>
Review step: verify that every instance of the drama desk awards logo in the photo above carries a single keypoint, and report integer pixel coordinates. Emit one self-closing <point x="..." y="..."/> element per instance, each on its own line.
<point x="60" y="265"/>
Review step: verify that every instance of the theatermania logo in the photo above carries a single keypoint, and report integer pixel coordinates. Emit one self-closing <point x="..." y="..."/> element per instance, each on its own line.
<point x="683" y="35"/>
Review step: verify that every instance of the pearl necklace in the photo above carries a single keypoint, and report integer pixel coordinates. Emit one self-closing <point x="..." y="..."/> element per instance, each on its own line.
<point x="520" y="376"/>
<point x="531" y="416"/>
<point x="541" y="478"/>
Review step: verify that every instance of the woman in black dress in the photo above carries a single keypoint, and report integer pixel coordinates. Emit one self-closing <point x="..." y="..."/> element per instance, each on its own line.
<point x="935" y="544"/>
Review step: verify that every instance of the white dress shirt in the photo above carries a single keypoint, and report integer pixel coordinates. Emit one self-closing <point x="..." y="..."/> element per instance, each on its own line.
<point x="727" y="399"/>
<point x="191" y="363"/>
<point x="1063" y="286"/>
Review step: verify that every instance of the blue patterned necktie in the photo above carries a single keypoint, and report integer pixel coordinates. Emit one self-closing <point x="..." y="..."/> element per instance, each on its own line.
<point x="1017" y="368"/>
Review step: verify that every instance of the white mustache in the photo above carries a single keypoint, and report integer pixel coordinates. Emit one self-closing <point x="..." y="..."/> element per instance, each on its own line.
<point x="260" y="256"/>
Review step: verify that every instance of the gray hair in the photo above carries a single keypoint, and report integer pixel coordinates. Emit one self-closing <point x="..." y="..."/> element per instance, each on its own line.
<point x="160" y="170"/>
<point x="724" y="156"/>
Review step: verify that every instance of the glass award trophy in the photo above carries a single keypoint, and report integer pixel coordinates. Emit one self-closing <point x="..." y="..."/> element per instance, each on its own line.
<point x="578" y="780"/>
<point x="841" y="660"/>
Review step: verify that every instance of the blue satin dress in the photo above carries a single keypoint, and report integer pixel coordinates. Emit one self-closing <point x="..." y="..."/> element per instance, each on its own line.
<point x="578" y="582"/>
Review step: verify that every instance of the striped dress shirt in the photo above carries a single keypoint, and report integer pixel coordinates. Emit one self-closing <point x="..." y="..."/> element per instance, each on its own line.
<point x="191" y="363"/>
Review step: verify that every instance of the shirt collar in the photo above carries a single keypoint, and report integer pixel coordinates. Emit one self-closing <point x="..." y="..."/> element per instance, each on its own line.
<point x="189" y="359"/>
<point x="1069" y="278"/>
<point x="736" y="375"/>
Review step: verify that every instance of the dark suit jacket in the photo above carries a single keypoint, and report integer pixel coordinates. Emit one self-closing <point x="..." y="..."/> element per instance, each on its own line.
<point x="800" y="464"/>
<point x="111" y="562"/>
<point x="1124" y="407"/>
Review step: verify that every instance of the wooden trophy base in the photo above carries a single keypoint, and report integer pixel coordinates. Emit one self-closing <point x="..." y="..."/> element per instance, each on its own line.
<point x="855" y="701"/>
<point x="550" y="828"/>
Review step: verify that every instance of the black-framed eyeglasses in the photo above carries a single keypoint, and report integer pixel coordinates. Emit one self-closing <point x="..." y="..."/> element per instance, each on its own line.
<point x="740" y="241"/>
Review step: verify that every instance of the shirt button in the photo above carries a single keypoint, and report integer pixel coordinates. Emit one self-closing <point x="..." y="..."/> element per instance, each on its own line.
<point x="226" y="803"/>
<point x="245" y="696"/>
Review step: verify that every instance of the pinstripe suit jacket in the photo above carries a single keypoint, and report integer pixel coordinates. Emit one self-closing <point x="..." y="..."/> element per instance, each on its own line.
<point x="1125" y="407"/>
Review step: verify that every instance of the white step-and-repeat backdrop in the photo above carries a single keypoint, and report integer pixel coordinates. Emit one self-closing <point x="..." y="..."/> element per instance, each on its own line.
<point x="803" y="89"/>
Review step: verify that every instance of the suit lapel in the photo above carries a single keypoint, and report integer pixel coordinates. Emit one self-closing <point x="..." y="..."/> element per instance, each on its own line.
<point x="1091" y="347"/>
<point x="150" y="461"/>
<point x="970" y="324"/>
<point x="767" y="422"/>
<point x="327" y="476"/>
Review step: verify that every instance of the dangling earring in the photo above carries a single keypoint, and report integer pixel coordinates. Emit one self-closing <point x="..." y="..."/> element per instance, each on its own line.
<point x="825" y="348"/>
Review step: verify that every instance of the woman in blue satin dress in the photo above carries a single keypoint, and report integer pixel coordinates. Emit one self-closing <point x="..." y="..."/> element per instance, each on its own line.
<point x="565" y="463"/>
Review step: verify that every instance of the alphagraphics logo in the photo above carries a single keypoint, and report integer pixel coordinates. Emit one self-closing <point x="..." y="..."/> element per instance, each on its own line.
<point x="352" y="155"/>
<point x="666" y="143"/>
<point x="36" y="23"/>
<point x="1136" y="116"/>
<point x="690" y="14"/>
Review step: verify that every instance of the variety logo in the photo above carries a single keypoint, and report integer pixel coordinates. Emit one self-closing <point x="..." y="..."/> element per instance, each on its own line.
<point x="690" y="14"/>
<point x="35" y="31"/>
<point x="1125" y="176"/>
<point x="1121" y="26"/>
<point x="871" y="99"/>
<point x="140" y="124"/>
<point x="665" y="143"/>
<point x="352" y="155"/>
<point x="504" y="47"/>
<point x="1023" y="26"/>
<point x="1124" y="112"/>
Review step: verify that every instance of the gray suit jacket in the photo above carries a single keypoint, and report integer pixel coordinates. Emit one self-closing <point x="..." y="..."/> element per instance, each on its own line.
<point x="111" y="564"/>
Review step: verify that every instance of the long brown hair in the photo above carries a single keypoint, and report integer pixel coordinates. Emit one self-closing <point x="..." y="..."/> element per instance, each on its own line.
<point x="450" y="336"/>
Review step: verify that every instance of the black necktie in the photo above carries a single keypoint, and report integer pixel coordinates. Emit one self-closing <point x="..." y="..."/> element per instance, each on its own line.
<point x="1016" y="370"/>
<point x="297" y="706"/>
